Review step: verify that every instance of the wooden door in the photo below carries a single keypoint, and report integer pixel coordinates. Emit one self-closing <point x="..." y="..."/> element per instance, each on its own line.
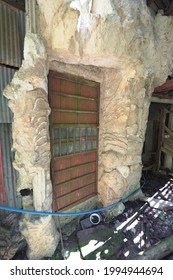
<point x="74" y="122"/>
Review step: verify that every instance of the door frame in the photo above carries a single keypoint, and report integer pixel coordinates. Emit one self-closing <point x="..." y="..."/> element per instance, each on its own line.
<point x="81" y="81"/>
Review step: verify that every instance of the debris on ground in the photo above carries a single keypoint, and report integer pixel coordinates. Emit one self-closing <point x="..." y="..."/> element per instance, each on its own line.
<point x="11" y="240"/>
<point x="99" y="242"/>
<point x="143" y="224"/>
<point x="143" y="228"/>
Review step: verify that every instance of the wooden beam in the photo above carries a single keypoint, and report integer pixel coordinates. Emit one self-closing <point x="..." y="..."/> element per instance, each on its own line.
<point x="160" y="138"/>
<point x="168" y="131"/>
<point x="168" y="158"/>
<point x="166" y="151"/>
<point x="158" y="251"/>
<point x="161" y="100"/>
<point x="159" y="203"/>
<point x="166" y="86"/>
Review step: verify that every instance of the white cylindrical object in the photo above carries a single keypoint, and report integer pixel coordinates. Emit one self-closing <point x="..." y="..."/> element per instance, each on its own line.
<point x="95" y="219"/>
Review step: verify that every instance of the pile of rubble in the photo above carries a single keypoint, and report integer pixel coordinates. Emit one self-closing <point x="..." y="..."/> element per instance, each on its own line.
<point x="11" y="240"/>
<point x="143" y="231"/>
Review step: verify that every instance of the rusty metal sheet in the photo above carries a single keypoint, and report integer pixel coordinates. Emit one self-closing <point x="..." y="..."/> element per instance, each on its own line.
<point x="64" y="117"/>
<point x="87" y="118"/>
<point x="74" y="123"/>
<point x="12" y="22"/>
<point x="58" y="101"/>
<point x="72" y="160"/>
<point x="88" y="91"/>
<point x="76" y="196"/>
<point x="60" y="117"/>
<point x="75" y="184"/>
<point x="74" y="172"/>
<point x="90" y="105"/>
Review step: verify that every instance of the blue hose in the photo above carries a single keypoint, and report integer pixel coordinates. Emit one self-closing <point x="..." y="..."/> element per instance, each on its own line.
<point x="67" y="214"/>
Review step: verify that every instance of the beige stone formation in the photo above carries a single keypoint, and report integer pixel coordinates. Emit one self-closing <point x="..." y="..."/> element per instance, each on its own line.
<point x="41" y="235"/>
<point x="131" y="50"/>
<point x="120" y="44"/>
<point x="28" y="101"/>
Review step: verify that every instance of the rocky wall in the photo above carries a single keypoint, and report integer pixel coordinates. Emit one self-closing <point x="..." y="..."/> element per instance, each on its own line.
<point x="29" y="102"/>
<point x="131" y="49"/>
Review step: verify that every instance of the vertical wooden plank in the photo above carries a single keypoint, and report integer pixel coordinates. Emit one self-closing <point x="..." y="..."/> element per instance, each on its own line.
<point x="148" y="146"/>
<point x="160" y="138"/>
<point x="168" y="158"/>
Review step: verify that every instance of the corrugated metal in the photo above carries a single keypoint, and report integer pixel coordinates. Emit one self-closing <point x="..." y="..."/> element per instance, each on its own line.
<point x="6" y="75"/>
<point x="7" y="158"/>
<point x="21" y="23"/>
<point x="12" y="32"/>
<point x="32" y="17"/>
<point x="12" y="22"/>
<point x="3" y="194"/>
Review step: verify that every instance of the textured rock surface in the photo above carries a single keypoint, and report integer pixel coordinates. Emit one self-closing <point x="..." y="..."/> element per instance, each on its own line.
<point x="118" y="34"/>
<point x="132" y="50"/>
<point x="28" y="101"/>
<point x="41" y="235"/>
